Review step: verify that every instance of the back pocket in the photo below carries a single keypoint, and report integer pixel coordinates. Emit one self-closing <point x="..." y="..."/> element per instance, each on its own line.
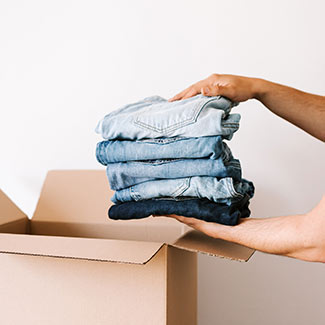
<point x="166" y="117"/>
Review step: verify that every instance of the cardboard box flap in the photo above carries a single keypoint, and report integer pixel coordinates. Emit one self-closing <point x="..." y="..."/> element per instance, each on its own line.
<point x="196" y="241"/>
<point x="9" y="212"/>
<point x="83" y="196"/>
<point x="75" y="196"/>
<point x="107" y="250"/>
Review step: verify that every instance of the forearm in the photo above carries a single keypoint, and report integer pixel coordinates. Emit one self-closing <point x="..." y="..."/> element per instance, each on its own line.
<point x="297" y="236"/>
<point x="307" y="111"/>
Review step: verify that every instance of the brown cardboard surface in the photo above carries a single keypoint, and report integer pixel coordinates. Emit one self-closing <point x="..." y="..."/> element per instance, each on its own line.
<point x="162" y="233"/>
<point x="40" y="290"/>
<point x="108" y="250"/>
<point x="196" y="241"/>
<point x="83" y="196"/>
<point x="9" y="212"/>
<point x="74" y="203"/>
<point x="181" y="287"/>
<point x="20" y="226"/>
<point x="74" y="195"/>
<point x="70" y="264"/>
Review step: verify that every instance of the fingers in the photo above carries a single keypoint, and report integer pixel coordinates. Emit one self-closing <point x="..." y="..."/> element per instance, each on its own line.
<point x="176" y="97"/>
<point x="179" y="95"/>
<point x="208" y="228"/>
<point x="185" y="220"/>
<point x="179" y="218"/>
<point x="186" y="93"/>
<point x="207" y="87"/>
<point x="190" y="93"/>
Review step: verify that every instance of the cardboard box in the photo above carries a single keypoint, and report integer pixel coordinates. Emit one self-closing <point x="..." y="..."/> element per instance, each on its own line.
<point x="70" y="264"/>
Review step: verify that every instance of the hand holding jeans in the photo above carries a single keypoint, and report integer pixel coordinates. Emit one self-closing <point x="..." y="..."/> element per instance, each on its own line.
<point x="236" y="88"/>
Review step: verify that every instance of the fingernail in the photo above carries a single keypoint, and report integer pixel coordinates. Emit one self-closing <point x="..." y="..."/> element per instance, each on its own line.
<point x="206" y="90"/>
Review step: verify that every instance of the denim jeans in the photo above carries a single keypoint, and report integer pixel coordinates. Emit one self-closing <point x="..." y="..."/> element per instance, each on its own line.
<point x="122" y="175"/>
<point x="162" y="148"/>
<point x="223" y="190"/>
<point x="155" y="117"/>
<point x="193" y="208"/>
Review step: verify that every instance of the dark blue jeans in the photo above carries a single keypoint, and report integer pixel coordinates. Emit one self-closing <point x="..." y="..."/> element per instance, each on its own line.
<point x="202" y="209"/>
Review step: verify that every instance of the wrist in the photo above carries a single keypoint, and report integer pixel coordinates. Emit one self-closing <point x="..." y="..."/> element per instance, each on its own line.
<point x="259" y="88"/>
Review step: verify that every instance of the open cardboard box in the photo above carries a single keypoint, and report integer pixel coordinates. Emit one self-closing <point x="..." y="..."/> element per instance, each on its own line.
<point x="70" y="264"/>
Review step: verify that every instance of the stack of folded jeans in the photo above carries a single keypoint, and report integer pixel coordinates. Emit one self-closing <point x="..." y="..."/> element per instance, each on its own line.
<point x="170" y="158"/>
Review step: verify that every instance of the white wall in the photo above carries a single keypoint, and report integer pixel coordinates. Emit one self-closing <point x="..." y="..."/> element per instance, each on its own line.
<point x="64" y="64"/>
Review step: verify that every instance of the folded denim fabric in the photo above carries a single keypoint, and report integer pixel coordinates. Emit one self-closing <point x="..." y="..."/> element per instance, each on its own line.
<point x="155" y="117"/>
<point x="222" y="190"/>
<point x="202" y="209"/>
<point x="161" y="148"/>
<point x="123" y="175"/>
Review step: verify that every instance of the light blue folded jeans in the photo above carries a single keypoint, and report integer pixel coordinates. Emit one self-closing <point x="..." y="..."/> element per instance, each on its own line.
<point x="155" y="117"/>
<point x="122" y="175"/>
<point x="223" y="190"/>
<point x="161" y="148"/>
<point x="125" y="174"/>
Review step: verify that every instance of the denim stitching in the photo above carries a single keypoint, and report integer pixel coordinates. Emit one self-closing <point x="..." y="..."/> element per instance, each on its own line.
<point x="173" y="127"/>
<point x="181" y="189"/>
<point x="135" y="196"/>
<point x="191" y="120"/>
<point x="232" y="190"/>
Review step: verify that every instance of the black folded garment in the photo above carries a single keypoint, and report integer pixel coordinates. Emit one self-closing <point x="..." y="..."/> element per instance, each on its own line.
<point x="202" y="209"/>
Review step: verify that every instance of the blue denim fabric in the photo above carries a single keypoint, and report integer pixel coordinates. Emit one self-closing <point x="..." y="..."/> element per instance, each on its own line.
<point x="155" y="117"/>
<point x="223" y="190"/>
<point x="162" y="148"/>
<point x="194" y="208"/>
<point x="122" y="175"/>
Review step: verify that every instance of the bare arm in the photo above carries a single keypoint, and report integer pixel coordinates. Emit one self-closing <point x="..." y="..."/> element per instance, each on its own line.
<point x="298" y="236"/>
<point x="307" y="111"/>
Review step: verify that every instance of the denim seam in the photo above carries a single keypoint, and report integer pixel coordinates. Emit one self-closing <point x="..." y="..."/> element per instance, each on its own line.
<point x="232" y="190"/>
<point x="235" y="165"/>
<point x="181" y="189"/>
<point x="157" y="162"/>
<point x="173" y="127"/>
<point x="135" y="196"/>
<point x="191" y="120"/>
<point x="163" y="142"/>
<point x="230" y="125"/>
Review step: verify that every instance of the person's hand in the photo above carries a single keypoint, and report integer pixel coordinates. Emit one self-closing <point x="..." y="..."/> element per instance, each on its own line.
<point x="236" y="88"/>
<point x="313" y="224"/>
<point x="209" y="228"/>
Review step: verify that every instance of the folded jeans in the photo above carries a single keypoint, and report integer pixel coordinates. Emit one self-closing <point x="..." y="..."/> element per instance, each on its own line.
<point x="161" y="148"/>
<point x="155" y="117"/>
<point x="123" y="175"/>
<point x="202" y="209"/>
<point x="222" y="190"/>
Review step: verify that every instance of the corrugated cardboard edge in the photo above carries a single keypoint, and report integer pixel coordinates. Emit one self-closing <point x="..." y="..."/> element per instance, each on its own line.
<point x="192" y="241"/>
<point x="104" y="250"/>
<point x="195" y="241"/>
<point x="116" y="251"/>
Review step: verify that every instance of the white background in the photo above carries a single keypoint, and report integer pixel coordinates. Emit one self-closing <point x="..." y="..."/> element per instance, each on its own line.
<point x="65" y="64"/>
